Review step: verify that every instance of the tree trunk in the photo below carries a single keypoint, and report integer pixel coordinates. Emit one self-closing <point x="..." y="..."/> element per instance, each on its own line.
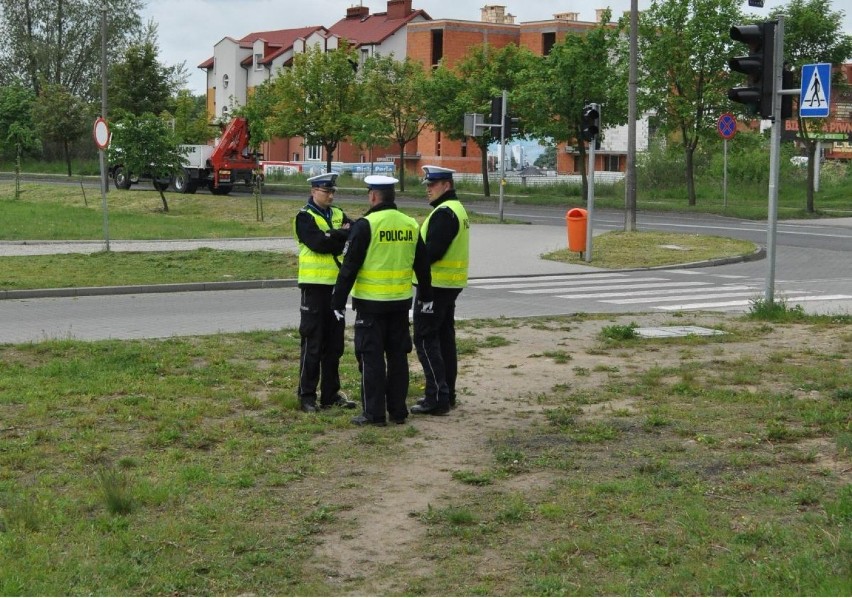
<point x="329" y="155"/>
<point x="402" y="166"/>
<point x="165" y="203"/>
<point x="690" y="173"/>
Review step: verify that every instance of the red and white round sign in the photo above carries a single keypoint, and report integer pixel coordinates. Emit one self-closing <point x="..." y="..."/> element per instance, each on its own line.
<point x="101" y="133"/>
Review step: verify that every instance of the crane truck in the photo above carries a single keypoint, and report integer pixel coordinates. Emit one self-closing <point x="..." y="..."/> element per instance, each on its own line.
<point x="217" y="167"/>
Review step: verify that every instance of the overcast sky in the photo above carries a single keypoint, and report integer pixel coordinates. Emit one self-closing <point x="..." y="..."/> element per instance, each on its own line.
<point x="188" y="29"/>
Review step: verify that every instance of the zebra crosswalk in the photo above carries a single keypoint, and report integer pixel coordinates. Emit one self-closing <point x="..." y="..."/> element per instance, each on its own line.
<point x="662" y="290"/>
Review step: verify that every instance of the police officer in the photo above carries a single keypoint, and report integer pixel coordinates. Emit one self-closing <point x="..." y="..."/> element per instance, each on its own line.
<point x="384" y="250"/>
<point x="446" y="234"/>
<point x="321" y="230"/>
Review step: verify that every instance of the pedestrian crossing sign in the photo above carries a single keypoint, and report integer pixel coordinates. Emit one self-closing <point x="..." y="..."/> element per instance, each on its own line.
<point x="815" y="97"/>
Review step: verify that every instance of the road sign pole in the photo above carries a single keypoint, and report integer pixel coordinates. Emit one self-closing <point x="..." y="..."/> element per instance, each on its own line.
<point x="727" y="128"/>
<point x="725" y="173"/>
<point x="774" y="162"/>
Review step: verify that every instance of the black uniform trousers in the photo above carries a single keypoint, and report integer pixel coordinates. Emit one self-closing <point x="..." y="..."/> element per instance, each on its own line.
<point x="435" y="342"/>
<point x="322" y="346"/>
<point x="382" y="345"/>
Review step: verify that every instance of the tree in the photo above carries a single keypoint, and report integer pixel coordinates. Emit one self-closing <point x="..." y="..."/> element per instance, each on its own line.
<point x="445" y="106"/>
<point x="684" y="48"/>
<point x="61" y="117"/>
<point x="191" y="124"/>
<point x="258" y="110"/>
<point x="146" y="145"/>
<point x="17" y="130"/>
<point x="483" y="73"/>
<point x="139" y="83"/>
<point x="582" y="68"/>
<point x="59" y="42"/>
<point x="318" y="98"/>
<point x="394" y="100"/>
<point x="813" y="34"/>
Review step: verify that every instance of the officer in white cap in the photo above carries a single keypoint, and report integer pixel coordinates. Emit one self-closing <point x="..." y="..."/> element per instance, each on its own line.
<point x="446" y="235"/>
<point x="382" y="254"/>
<point x="321" y="230"/>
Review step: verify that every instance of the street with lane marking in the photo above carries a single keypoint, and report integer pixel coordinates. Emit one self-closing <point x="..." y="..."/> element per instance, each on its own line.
<point x="663" y="290"/>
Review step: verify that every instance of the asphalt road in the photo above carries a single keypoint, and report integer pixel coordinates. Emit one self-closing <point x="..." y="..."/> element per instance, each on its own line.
<point x="813" y="268"/>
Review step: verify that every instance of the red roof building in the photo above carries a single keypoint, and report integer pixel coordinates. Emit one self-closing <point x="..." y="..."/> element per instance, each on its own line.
<point x="238" y="66"/>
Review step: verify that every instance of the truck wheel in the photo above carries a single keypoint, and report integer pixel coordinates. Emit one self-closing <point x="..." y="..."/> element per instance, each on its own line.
<point x="121" y="178"/>
<point x="221" y="189"/>
<point x="183" y="182"/>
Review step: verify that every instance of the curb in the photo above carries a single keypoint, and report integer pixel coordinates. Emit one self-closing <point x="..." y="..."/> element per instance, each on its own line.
<point x="184" y="287"/>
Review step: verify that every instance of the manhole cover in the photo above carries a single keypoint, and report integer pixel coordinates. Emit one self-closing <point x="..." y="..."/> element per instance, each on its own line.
<point x="675" y="331"/>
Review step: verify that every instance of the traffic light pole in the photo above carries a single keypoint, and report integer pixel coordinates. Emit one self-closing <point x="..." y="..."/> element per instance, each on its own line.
<point x="590" y="199"/>
<point x="503" y="149"/>
<point x="774" y="161"/>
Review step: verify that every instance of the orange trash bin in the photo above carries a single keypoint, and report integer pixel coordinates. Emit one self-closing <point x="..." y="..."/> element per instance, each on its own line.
<point x="576" y="220"/>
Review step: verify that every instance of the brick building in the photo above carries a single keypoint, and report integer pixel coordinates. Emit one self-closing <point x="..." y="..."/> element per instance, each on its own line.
<point x="449" y="40"/>
<point x="238" y="66"/>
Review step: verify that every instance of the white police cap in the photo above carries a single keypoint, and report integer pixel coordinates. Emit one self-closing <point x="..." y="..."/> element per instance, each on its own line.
<point x="380" y="181"/>
<point x="326" y="180"/>
<point x="437" y="173"/>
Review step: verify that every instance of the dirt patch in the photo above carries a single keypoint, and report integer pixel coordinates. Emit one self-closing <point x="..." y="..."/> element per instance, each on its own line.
<point x="504" y="389"/>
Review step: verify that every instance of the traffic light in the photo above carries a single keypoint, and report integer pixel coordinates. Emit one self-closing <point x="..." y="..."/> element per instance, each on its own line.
<point x="758" y="66"/>
<point x="511" y="125"/>
<point x="496" y="118"/>
<point x="590" y="124"/>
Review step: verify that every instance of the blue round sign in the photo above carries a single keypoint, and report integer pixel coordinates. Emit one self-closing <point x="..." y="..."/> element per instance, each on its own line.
<point x="727" y="126"/>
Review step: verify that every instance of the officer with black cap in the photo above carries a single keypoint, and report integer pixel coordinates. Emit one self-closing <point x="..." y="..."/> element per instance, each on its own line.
<point x="321" y="230"/>
<point x="382" y="254"/>
<point x="446" y="235"/>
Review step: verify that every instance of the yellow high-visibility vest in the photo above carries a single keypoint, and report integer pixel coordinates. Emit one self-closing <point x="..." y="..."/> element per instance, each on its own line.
<point x="451" y="270"/>
<point x="388" y="266"/>
<point x="318" y="268"/>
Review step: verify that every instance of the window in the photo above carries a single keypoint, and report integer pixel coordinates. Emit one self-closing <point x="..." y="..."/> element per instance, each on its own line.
<point x="612" y="163"/>
<point x="295" y="156"/>
<point x="225" y="81"/>
<point x="313" y="152"/>
<point x="548" y="40"/>
<point x="437" y="46"/>
<point x="224" y="111"/>
<point x="258" y="61"/>
<point x="438" y="143"/>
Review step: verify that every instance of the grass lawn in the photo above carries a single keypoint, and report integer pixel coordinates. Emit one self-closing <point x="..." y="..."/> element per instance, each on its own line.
<point x="50" y="212"/>
<point x="628" y="466"/>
